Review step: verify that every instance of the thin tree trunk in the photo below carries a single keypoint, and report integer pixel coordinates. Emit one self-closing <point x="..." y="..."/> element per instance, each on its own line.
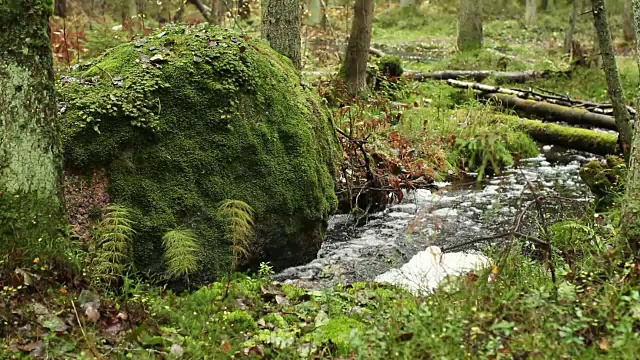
<point x="354" y="68"/>
<point x="623" y="119"/>
<point x="470" y="25"/>
<point x="628" y="31"/>
<point x="60" y="8"/>
<point x="630" y="222"/>
<point x="568" y="40"/>
<point x="405" y="3"/>
<point x="531" y="13"/>
<point x="317" y="15"/>
<point x="31" y="214"/>
<point x="281" y="28"/>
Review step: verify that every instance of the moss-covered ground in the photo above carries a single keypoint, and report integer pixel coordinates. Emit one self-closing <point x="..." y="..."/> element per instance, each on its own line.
<point x="512" y="310"/>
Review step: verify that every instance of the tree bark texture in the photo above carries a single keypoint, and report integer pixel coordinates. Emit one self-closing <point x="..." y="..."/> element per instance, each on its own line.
<point x="531" y="13"/>
<point x="630" y="222"/>
<point x="31" y="214"/>
<point x="623" y="119"/>
<point x="281" y="28"/>
<point x="470" y="25"/>
<point x="354" y="68"/>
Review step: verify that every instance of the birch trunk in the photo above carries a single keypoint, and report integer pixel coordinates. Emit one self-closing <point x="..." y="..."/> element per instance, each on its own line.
<point x="620" y="113"/>
<point x="354" y="68"/>
<point x="281" y="28"/>
<point x="31" y="215"/>
<point x="470" y="25"/>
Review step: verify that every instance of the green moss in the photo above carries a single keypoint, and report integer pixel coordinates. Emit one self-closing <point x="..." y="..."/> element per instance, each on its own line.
<point x="390" y="65"/>
<point x="239" y="320"/>
<point x="574" y="138"/>
<point x="340" y="330"/>
<point x="605" y="180"/>
<point x="191" y="116"/>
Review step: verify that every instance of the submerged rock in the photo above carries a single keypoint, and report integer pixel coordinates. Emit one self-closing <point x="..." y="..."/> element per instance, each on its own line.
<point x="191" y="116"/>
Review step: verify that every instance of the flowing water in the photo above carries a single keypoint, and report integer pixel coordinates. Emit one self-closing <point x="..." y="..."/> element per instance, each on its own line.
<point x="450" y="218"/>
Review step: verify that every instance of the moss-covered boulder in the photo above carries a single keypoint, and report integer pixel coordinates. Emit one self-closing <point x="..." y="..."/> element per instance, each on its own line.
<point x="605" y="180"/>
<point x="191" y="116"/>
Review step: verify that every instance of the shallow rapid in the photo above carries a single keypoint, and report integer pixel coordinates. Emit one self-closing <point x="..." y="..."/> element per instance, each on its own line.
<point x="449" y="218"/>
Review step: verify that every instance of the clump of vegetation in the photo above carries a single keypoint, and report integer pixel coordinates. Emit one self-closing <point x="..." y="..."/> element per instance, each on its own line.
<point x="606" y="181"/>
<point x="181" y="251"/>
<point x="111" y="251"/>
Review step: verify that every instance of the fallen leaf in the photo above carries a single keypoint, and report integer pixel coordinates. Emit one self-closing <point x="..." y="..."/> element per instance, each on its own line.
<point x="281" y="300"/>
<point x="603" y="343"/>
<point x="321" y="319"/>
<point x="225" y="346"/>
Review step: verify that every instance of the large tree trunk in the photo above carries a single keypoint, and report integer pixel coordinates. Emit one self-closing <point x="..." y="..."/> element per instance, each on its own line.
<point x="354" y="68"/>
<point x="470" y="25"/>
<point x="31" y="215"/>
<point x="531" y="13"/>
<point x="623" y="120"/>
<point x="630" y="222"/>
<point x="281" y="28"/>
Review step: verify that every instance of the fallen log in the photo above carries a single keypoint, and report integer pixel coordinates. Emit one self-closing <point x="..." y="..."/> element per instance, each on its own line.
<point x="546" y="110"/>
<point x="552" y="112"/>
<point x="547" y="97"/>
<point x="595" y="142"/>
<point x="480" y="75"/>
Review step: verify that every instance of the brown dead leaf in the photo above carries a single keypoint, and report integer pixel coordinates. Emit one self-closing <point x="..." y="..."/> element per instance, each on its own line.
<point x="604" y="343"/>
<point x="225" y="346"/>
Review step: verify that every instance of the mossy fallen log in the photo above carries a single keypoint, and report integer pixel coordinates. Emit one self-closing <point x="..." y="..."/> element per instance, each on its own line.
<point x="551" y="112"/>
<point x="595" y="142"/>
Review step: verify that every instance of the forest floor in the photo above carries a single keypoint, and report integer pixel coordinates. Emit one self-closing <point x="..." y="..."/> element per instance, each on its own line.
<point x="589" y="308"/>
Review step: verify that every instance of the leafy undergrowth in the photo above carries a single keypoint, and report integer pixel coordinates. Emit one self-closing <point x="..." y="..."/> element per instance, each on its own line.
<point x="511" y="310"/>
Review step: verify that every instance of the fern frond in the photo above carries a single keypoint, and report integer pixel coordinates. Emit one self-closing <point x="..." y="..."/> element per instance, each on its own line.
<point x="240" y="215"/>
<point x="180" y="252"/>
<point x="112" y="240"/>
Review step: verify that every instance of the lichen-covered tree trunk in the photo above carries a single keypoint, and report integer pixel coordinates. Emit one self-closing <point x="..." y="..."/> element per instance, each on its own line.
<point x="470" y="25"/>
<point x="30" y="159"/>
<point x="631" y="205"/>
<point x="281" y="28"/>
<point x="531" y="13"/>
<point x="354" y="68"/>
<point x="620" y="113"/>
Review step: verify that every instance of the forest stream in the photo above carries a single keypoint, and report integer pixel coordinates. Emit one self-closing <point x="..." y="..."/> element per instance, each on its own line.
<point x="456" y="214"/>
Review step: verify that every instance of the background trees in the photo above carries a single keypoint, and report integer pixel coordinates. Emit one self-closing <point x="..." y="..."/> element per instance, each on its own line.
<point x="470" y="25"/>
